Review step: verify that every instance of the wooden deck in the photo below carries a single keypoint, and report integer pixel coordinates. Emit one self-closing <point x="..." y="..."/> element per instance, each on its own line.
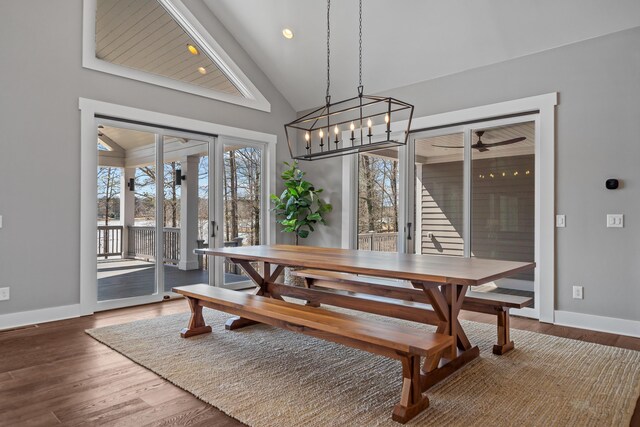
<point x="125" y="278"/>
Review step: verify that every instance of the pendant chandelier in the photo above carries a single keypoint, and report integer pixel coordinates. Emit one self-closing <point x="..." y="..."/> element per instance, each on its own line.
<point x="359" y="124"/>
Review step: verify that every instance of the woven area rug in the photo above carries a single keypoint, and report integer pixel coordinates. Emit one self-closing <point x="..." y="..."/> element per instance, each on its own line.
<point x="268" y="377"/>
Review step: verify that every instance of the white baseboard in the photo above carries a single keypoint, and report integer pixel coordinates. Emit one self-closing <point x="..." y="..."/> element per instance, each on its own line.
<point x="24" y="318"/>
<point x="598" y="323"/>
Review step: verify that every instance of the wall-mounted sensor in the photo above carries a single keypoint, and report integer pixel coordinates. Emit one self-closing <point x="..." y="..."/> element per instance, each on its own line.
<point x="612" y="184"/>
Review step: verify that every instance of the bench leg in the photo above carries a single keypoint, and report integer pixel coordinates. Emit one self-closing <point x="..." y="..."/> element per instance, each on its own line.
<point x="504" y="341"/>
<point x="412" y="402"/>
<point x="238" y="322"/>
<point x="196" y="322"/>
<point x="307" y="284"/>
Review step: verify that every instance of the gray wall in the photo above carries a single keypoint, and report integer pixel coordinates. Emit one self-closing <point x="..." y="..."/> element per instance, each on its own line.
<point x="41" y="78"/>
<point x="598" y="137"/>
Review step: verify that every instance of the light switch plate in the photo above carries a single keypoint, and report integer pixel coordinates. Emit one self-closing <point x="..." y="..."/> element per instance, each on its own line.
<point x="0" y="221"/>
<point x="561" y="221"/>
<point x="615" y="220"/>
<point x="4" y="294"/>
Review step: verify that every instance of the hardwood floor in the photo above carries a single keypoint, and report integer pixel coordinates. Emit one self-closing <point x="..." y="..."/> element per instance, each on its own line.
<point x="56" y="374"/>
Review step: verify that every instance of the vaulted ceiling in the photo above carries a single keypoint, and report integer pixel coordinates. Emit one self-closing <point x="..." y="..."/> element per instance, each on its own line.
<point x="405" y="41"/>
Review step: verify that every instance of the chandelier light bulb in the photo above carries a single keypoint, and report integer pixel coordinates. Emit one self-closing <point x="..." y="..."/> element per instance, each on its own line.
<point x="352" y="127"/>
<point x="336" y="130"/>
<point x="321" y="134"/>
<point x="369" y="123"/>
<point x="386" y="118"/>
<point x="307" y="136"/>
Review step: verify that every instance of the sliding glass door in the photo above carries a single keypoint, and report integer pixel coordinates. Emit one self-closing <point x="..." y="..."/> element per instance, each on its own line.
<point x="153" y="212"/>
<point x="185" y="210"/>
<point x="503" y="197"/>
<point x="243" y="206"/>
<point x="472" y="193"/>
<point x="126" y="213"/>
<point x="439" y="194"/>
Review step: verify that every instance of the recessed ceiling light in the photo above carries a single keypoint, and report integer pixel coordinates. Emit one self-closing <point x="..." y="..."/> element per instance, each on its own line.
<point x="202" y="70"/>
<point x="192" y="49"/>
<point x="287" y="33"/>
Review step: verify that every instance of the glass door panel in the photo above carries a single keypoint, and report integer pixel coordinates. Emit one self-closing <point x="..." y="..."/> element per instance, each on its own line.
<point x="242" y="206"/>
<point x="185" y="210"/>
<point x="126" y="213"/>
<point x="439" y="194"/>
<point x="503" y="197"/>
<point x="378" y="200"/>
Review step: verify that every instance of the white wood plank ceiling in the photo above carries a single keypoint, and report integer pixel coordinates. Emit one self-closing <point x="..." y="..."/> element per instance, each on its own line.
<point x="140" y="34"/>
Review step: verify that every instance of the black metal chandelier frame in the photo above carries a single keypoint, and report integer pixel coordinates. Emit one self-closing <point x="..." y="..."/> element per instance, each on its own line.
<point x="359" y="113"/>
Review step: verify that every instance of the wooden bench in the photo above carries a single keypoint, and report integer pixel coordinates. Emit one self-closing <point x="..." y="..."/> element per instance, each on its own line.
<point x="396" y="341"/>
<point x="394" y="295"/>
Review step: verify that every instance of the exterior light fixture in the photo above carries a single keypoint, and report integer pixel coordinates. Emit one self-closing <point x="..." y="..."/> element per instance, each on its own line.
<point x="202" y="70"/>
<point x="131" y="184"/>
<point x="179" y="177"/>
<point x="360" y="124"/>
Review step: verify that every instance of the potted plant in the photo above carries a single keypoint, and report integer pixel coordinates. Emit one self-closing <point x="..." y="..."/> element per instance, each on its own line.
<point x="299" y="209"/>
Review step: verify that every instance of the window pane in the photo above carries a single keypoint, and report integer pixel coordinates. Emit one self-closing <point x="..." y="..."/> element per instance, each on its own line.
<point x="140" y="34"/>
<point x="242" y="204"/>
<point x="182" y="184"/>
<point x="503" y="189"/>
<point x="439" y="196"/>
<point x="126" y="213"/>
<point x="378" y="200"/>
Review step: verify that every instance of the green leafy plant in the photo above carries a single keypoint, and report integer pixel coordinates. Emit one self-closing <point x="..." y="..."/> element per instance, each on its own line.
<point x="299" y="208"/>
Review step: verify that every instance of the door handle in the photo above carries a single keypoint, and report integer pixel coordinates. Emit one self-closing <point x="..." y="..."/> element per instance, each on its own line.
<point x="214" y="229"/>
<point x="408" y="231"/>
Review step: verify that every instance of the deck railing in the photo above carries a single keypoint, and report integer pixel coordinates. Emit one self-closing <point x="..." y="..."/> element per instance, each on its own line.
<point x="142" y="243"/>
<point x="109" y="240"/>
<point x="383" y="242"/>
<point x="229" y="267"/>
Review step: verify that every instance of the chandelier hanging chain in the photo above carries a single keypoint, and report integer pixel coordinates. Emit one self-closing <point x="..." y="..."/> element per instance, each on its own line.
<point x="360" y="87"/>
<point x="328" y="96"/>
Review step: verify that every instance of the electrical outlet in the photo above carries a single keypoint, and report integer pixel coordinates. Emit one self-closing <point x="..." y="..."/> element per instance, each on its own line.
<point x="615" y="220"/>
<point x="4" y="294"/>
<point x="560" y="221"/>
<point x="577" y="292"/>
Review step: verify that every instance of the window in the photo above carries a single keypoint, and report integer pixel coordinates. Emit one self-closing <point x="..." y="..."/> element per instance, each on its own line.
<point x="161" y="42"/>
<point x="378" y="200"/>
<point x="140" y="34"/>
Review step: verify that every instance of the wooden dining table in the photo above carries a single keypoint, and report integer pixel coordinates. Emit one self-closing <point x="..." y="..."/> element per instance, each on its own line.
<point x="443" y="279"/>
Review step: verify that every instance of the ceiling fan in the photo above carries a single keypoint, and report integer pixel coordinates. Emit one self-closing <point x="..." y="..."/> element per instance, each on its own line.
<point x="482" y="147"/>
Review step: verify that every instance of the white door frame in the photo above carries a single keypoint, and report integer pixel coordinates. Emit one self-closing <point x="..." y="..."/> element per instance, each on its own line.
<point x="545" y="184"/>
<point x="88" y="187"/>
